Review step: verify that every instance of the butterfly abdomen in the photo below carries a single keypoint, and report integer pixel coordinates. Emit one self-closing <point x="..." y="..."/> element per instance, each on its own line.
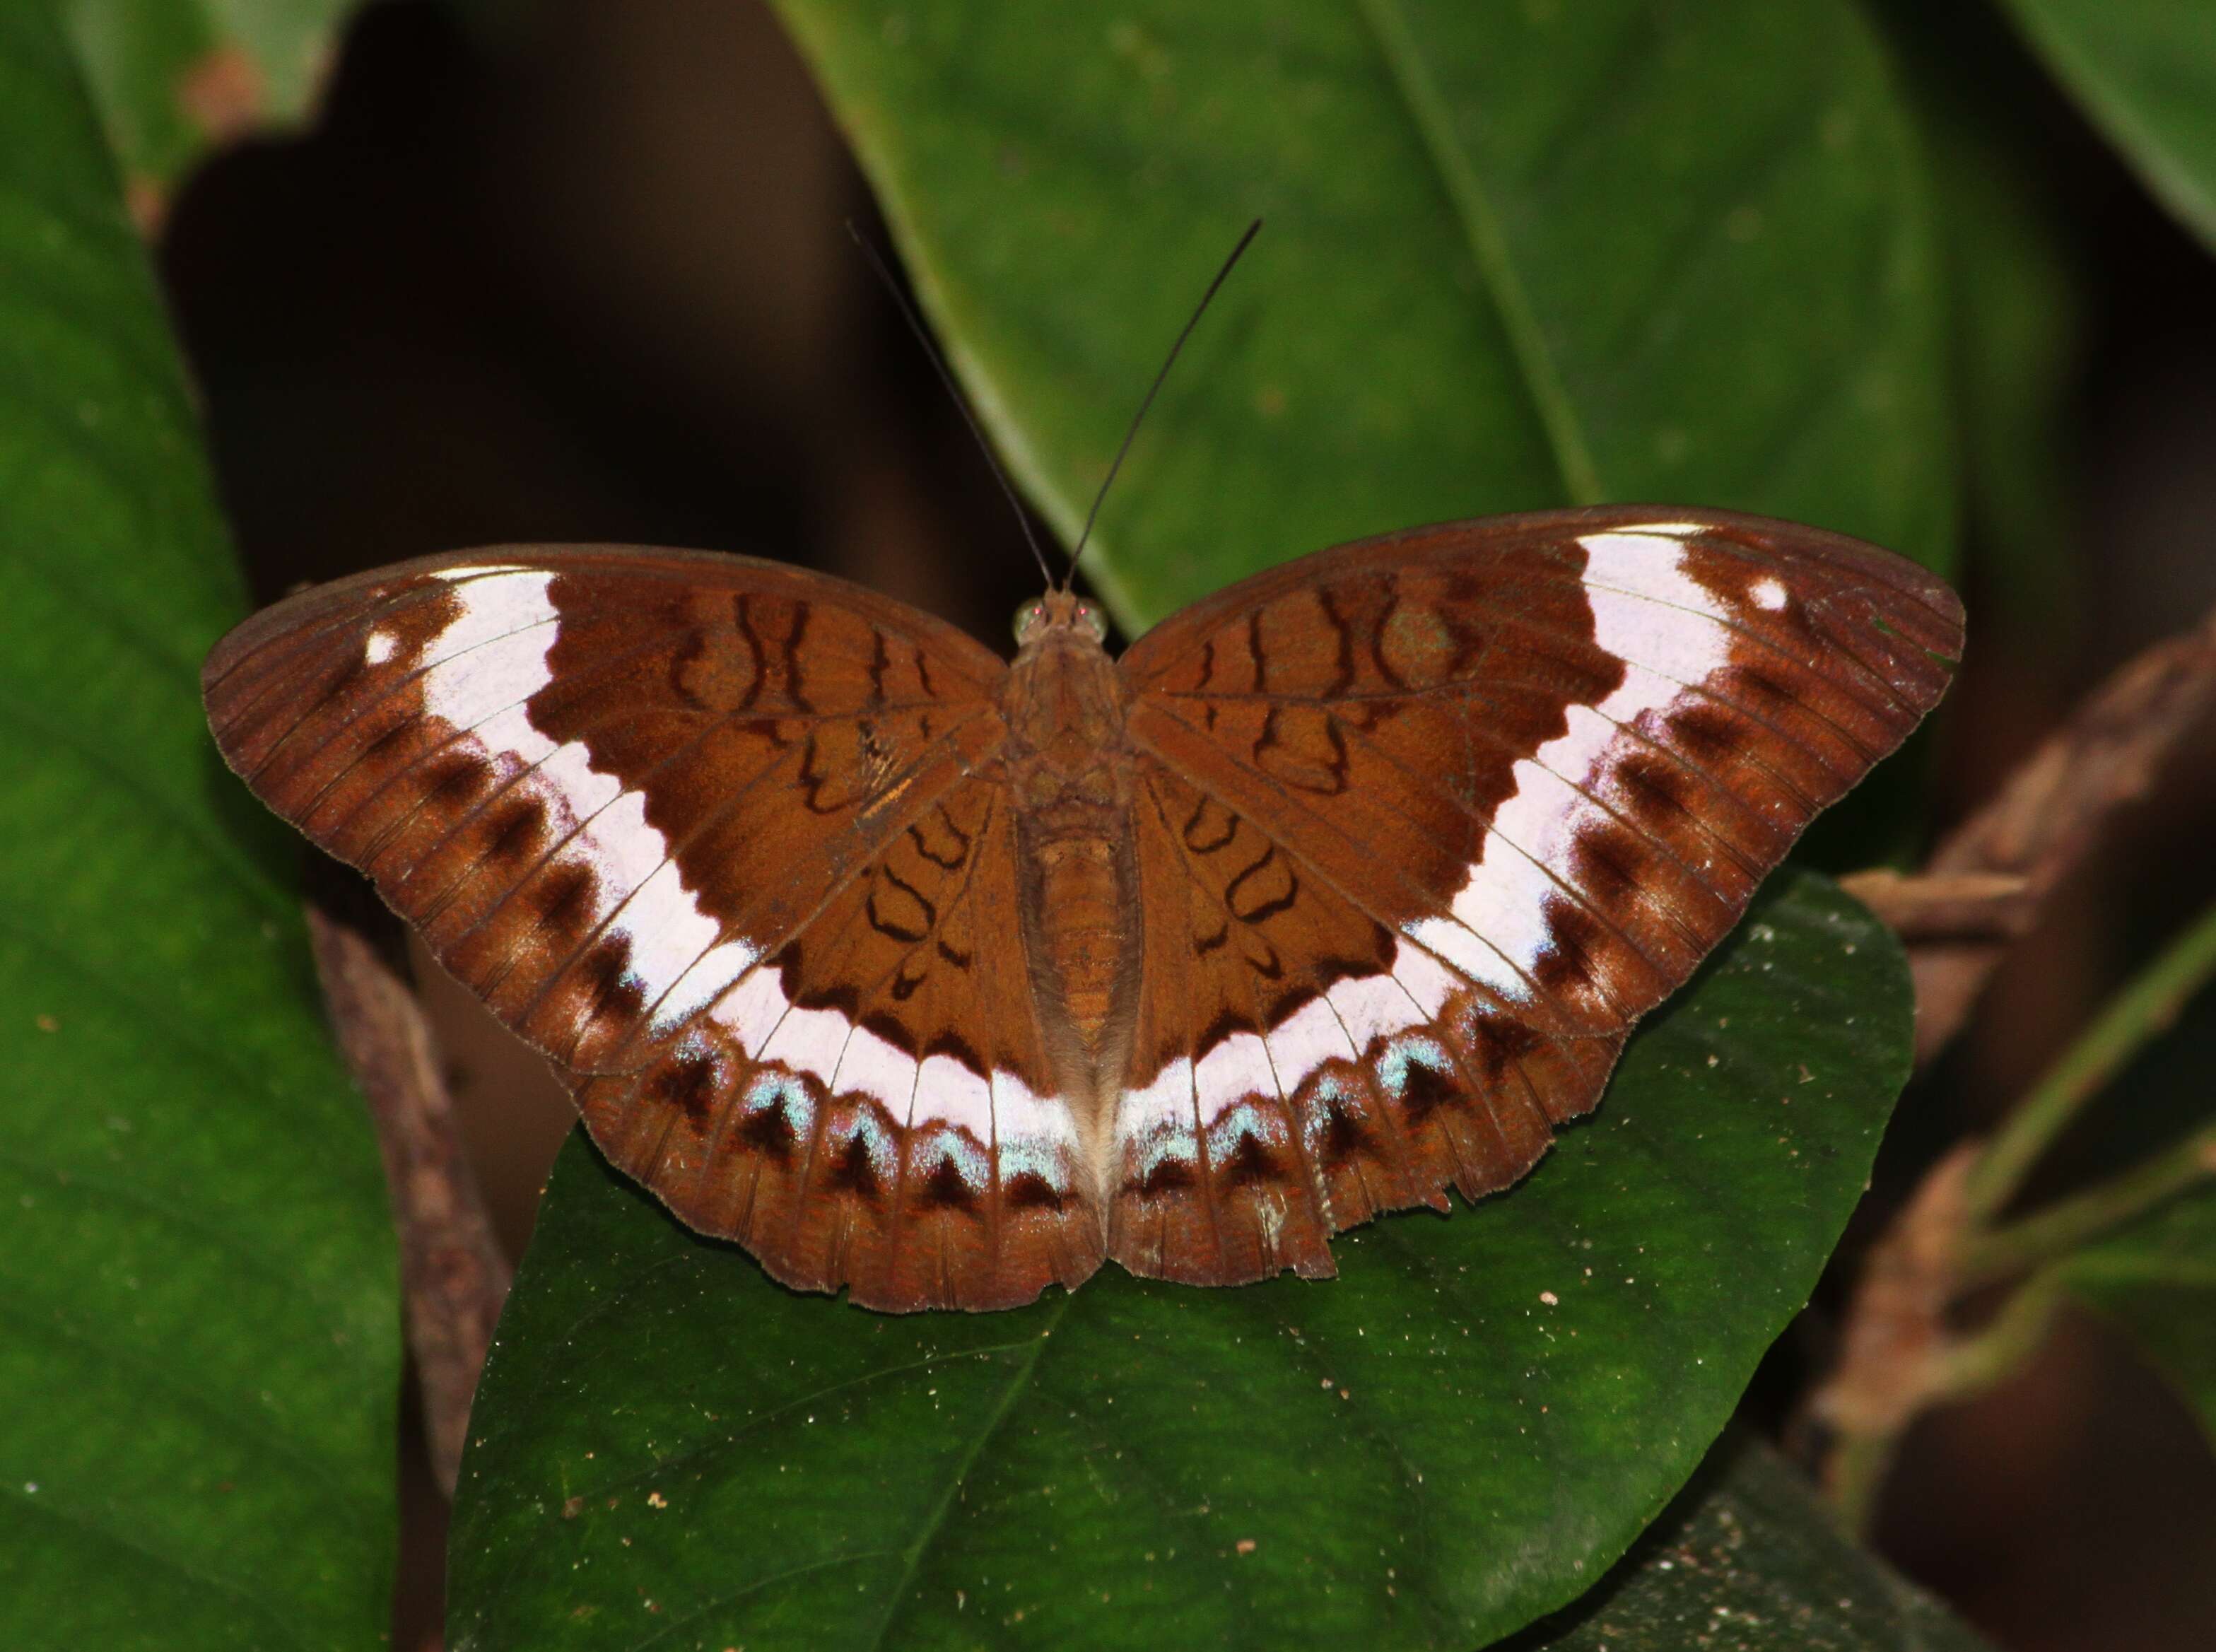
<point x="1070" y="777"/>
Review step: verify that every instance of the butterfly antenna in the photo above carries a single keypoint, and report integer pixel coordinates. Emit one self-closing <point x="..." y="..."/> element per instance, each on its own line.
<point x="939" y="365"/>
<point x="1138" y="418"/>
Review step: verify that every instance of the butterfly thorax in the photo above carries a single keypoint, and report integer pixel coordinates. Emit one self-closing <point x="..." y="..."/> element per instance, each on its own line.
<point x="1070" y="778"/>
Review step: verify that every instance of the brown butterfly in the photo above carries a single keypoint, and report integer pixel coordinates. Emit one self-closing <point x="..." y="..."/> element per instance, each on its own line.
<point x="941" y="978"/>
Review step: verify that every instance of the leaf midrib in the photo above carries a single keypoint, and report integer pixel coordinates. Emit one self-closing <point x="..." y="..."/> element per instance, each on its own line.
<point x="1018" y="1382"/>
<point x="1488" y="246"/>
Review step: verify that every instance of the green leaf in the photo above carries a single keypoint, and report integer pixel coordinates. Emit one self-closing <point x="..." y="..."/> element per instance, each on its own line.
<point x="1459" y="1432"/>
<point x="1516" y="256"/>
<point x="171" y="77"/>
<point x="1747" y="1558"/>
<point x="2157" y="1279"/>
<point x="199" y="1372"/>
<point x="2017" y="306"/>
<point x="2145" y="73"/>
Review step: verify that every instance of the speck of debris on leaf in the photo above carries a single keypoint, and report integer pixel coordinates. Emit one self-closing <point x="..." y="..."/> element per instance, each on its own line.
<point x="1245" y="1545"/>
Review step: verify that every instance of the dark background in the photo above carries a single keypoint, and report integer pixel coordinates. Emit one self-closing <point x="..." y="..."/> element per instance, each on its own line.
<point x="581" y="273"/>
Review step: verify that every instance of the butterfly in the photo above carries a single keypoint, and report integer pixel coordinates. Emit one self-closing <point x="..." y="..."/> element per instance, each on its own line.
<point x="942" y="978"/>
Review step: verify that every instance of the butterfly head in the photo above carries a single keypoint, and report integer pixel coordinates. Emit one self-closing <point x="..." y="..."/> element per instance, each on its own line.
<point x="1059" y="610"/>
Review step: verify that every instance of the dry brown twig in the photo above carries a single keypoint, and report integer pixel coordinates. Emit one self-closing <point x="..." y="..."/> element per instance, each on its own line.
<point x="1986" y="885"/>
<point x="1906" y="1287"/>
<point x="453" y="1275"/>
<point x="1982" y="891"/>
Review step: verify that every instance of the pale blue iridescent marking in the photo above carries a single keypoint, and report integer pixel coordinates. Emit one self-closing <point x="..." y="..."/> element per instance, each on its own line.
<point x="1038" y="1155"/>
<point x="866" y="1125"/>
<point x="1413" y="1048"/>
<point x="774" y="1090"/>
<point x="1326" y="1089"/>
<point x="971" y="1162"/>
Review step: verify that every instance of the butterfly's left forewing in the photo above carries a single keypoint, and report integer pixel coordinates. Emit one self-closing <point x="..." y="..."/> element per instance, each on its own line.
<point x="1430" y="821"/>
<point x="728" y="841"/>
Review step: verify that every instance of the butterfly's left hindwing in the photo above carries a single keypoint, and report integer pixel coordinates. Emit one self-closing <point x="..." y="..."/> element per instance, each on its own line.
<point x="1448" y="811"/>
<point x="722" y="838"/>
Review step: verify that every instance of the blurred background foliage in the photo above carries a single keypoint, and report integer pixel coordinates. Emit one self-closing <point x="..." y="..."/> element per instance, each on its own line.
<point x="573" y="270"/>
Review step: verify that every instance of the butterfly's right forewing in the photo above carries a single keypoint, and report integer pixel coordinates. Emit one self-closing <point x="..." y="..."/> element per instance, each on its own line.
<point x="1435" y="819"/>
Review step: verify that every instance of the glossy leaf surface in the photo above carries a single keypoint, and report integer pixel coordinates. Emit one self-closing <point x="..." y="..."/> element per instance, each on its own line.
<point x="1458" y="1433"/>
<point x="200" y="1361"/>
<point x="2017" y="302"/>
<point x="1515" y="256"/>
<point x="1747" y="1558"/>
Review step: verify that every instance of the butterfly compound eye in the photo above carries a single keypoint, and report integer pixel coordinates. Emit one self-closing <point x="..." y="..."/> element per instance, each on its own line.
<point x="1030" y="618"/>
<point x="1093" y="620"/>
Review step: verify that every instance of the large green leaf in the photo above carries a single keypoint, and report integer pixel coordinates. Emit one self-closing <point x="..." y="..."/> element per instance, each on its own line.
<point x="200" y="1365"/>
<point x="2157" y="1279"/>
<point x="2145" y="72"/>
<point x="1516" y="256"/>
<point x="1748" y="1559"/>
<point x="1459" y="1432"/>
<point x="171" y="76"/>
<point x="2016" y="303"/>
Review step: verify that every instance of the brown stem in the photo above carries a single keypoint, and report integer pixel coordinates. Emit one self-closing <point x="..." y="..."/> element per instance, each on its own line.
<point x="2048" y="815"/>
<point x="1982" y="890"/>
<point x="1896" y="1336"/>
<point x="454" y="1273"/>
<point x="1923" y="908"/>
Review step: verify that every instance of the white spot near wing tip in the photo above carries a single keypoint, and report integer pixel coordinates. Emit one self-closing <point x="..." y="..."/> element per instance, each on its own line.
<point x="1767" y="594"/>
<point x="381" y="646"/>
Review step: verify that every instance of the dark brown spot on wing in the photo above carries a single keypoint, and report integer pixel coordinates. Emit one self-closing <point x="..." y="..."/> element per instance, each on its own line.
<point x="766" y="1129"/>
<point x="1165" y="1175"/>
<point x="852" y="1171"/>
<point x="944" y="1189"/>
<point x="687" y="1083"/>
<point x="1029" y="1191"/>
<point x="1250" y="1163"/>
